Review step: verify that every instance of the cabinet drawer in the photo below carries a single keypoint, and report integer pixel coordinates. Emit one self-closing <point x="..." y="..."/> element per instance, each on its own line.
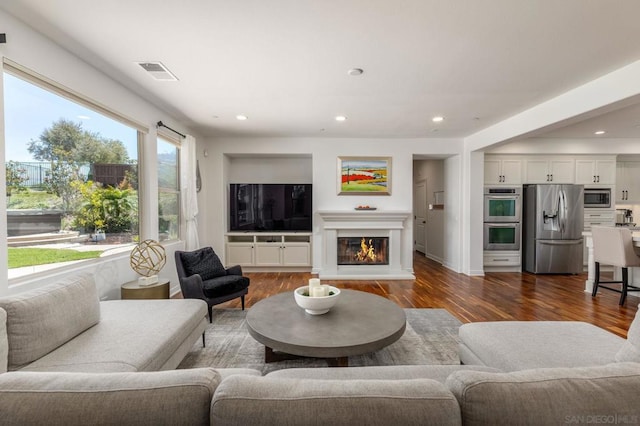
<point x="501" y="259"/>
<point x="602" y="216"/>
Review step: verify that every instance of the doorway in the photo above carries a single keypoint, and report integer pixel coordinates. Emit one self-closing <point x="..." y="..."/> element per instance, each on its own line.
<point x="420" y="216"/>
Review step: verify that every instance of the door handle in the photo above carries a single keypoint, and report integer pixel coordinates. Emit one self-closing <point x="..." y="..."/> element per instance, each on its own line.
<point x="561" y="242"/>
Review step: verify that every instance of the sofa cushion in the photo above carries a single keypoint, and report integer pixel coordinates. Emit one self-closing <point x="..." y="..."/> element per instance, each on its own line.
<point x="521" y="345"/>
<point x="177" y="397"/>
<point x="133" y="335"/>
<point x="383" y="372"/>
<point x="251" y="400"/>
<point x="4" y="343"/>
<point x="548" y="396"/>
<point x="224" y="285"/>
<point x="203" y="262"/>
<point x="39" y="321"/>
<point x="630" y="351"/>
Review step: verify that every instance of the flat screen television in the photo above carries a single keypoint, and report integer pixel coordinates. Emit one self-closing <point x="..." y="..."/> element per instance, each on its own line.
<point x="270" y="207"/>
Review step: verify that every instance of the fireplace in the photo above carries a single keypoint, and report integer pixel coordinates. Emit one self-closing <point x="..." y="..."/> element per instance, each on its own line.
<point x="363" y="251"/>
<point x="381" y="238"/>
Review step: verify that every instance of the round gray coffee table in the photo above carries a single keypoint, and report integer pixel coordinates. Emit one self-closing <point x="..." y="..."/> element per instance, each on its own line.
<point x="359" y="323"/>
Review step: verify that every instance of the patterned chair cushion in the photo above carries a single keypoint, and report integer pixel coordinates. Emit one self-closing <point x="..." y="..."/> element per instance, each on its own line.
<point x="204" y="262"/>
<point x="224" y="285"/>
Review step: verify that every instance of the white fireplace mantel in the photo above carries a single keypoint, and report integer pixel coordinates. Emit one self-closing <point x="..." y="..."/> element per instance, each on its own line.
<point x="374" y="223"/>
<point x="373" y="219"/>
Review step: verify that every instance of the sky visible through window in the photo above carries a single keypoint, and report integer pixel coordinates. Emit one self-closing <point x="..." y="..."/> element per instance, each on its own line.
<point x="29" y="110"/>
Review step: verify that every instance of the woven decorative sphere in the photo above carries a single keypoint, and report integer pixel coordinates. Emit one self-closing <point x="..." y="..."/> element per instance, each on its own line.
<point x="147" y="258"/>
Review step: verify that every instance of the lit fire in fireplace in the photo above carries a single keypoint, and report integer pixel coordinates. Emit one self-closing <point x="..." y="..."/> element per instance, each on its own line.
<point x="367" y="251"/>
<point x="363" y="250"/>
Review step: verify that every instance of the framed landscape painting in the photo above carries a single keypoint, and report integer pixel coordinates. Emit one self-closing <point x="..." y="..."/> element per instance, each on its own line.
<point x="364" y="175"/>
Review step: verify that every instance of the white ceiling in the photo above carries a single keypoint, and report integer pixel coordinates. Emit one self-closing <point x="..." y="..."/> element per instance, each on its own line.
<point x="284" y="63"/>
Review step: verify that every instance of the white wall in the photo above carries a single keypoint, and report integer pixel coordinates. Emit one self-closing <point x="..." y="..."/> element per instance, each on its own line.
<point x="225" y="153"/>
<point x="270" y="169"/>
<point x="30" y="49"/>
<point x="453" y="201"/>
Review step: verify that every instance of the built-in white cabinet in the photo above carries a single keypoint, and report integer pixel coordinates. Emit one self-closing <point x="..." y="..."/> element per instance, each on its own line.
<point x="549" y="170"/>
<point x="594" y="171"/>
<point x="628" y="182"/>
<point x="268" y="250"/>
<point x="502" y="261"/>
<point x="502" y="171"/>
<point x="240" y="253"/>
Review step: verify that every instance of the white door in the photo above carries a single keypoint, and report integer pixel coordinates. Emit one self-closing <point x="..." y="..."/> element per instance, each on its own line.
<point x="420" y="216"/>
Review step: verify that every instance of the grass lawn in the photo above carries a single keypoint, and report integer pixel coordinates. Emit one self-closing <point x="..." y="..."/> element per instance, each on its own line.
<point x="362" y="187"/>
<point x="19" y="257"/>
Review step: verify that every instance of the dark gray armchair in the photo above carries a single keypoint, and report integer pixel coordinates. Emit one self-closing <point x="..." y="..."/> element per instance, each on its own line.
<point x="202" y="276"/>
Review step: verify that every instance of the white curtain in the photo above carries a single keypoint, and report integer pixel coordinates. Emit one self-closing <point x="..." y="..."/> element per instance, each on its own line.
<point x="188" y="193"/>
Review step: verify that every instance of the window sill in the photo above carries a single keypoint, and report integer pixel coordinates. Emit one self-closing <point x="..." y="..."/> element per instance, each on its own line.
<point x="17" y="276"/>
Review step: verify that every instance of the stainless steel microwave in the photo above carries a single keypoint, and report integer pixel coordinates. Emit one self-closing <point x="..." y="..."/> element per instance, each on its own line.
<point x="597" y="198"/>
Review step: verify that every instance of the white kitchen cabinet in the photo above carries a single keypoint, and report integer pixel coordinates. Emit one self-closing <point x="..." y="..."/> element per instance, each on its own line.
<point x="502" y="261"/>
<point x="262" y="250"/>
<point x="594" y="171"/>
<point x="628" y="182"/>
<point x="502" y="171"/>
<point x="549" y="170"/>
<point x="501" y="258"/>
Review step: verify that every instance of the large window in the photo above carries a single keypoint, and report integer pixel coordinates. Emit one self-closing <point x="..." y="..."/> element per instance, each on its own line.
<point x="72" y="177"/>
<point x="168" y="190"/>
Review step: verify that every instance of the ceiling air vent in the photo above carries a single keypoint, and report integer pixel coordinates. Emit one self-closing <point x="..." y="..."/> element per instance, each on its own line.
<point x="158" y="71"/>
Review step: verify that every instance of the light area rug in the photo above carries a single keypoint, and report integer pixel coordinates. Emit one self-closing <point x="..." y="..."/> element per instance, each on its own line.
<point x="431" y="337"/>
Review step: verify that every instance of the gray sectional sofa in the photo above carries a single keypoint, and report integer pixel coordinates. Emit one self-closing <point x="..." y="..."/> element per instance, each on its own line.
<point x="73" y="360"/>
<point x="64" y="327"/>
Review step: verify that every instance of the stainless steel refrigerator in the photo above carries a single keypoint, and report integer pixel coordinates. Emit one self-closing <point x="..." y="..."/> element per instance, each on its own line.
<point x="553" y="221"/>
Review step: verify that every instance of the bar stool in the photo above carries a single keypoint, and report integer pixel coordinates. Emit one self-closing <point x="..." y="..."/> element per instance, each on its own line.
<point x="614" y="246"/>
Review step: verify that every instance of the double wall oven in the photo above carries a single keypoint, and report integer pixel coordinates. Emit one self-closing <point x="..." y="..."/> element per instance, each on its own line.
<point x="502" y="212"/>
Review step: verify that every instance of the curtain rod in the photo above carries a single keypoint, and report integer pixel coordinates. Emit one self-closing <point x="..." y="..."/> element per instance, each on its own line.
<point x="161" y="124"/>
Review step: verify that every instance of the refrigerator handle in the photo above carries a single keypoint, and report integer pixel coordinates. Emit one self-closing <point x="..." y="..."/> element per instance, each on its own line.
<point x="563" y="211"/>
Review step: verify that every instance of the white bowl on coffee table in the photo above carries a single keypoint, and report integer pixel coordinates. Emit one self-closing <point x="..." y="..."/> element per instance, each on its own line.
<point x="316" y="305"/>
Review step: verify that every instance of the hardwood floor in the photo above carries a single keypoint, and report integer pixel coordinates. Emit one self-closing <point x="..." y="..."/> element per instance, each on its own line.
<point x="494" y="297"/>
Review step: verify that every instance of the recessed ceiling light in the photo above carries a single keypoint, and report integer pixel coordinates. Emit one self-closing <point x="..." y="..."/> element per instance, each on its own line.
<point x="355" y="71"/>
<point x="341" y="118"/>
<point x="241" y="117"/>
<point x="599" y="132"/>
<point x="437" y="119"/>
